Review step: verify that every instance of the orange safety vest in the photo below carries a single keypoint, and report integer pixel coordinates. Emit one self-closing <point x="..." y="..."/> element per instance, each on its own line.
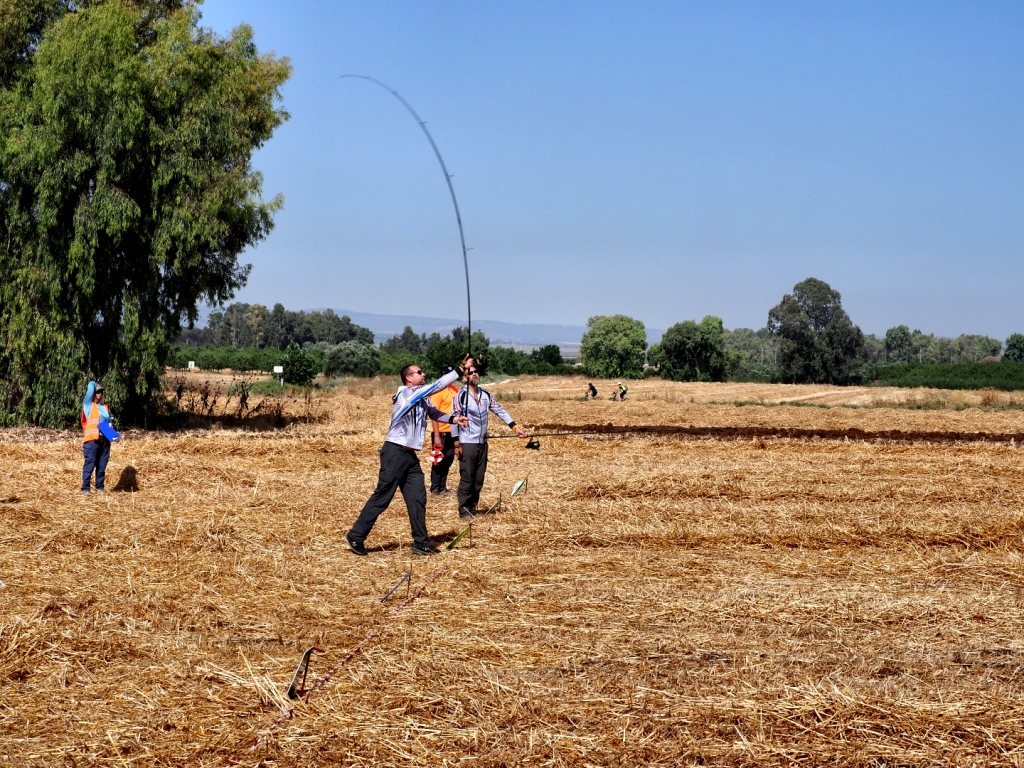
<point x="91" y="423"/>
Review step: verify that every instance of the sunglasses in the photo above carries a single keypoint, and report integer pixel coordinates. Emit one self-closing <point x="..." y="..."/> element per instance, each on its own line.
<point x="416" y="373"/>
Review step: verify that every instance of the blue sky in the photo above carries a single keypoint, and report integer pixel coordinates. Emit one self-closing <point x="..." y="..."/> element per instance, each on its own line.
<point x="661" y="160"/>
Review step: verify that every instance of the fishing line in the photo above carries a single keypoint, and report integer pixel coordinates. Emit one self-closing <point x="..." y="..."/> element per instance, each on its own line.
<point x="298" y="680"/>
<point x="451" y="189"/>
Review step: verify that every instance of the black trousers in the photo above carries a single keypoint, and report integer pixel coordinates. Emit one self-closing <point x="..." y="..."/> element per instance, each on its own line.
<point x="472" y="468"/>
<point x="399" y="470"/>
<point x="439" y="471"/>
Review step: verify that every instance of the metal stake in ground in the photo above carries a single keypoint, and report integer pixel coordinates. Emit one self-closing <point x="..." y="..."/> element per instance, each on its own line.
<point x="495" y="508"/>
<point x="298" y="686"/>
<point x="405" y="577"/>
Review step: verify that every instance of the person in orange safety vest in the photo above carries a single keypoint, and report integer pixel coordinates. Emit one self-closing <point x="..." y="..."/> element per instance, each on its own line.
<point x="95" y="447"/>
<point x="441" y="438"/>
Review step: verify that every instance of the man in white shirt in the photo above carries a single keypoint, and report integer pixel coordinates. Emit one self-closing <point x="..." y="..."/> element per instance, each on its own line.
<point x="399" y="464"/>
<point x="475" y="404"/>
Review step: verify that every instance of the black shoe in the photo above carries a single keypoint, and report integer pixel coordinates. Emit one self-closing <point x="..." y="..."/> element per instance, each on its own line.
<point x="426" y="550"/>
<point x="465" y="514"/>
<point x="356" y="547"/>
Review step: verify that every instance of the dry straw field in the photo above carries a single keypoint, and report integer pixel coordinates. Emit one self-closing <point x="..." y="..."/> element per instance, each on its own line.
<point x="653" y="599"/>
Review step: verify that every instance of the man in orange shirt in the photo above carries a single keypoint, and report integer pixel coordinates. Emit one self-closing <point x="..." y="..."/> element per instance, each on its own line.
<point x="441" y="438"/>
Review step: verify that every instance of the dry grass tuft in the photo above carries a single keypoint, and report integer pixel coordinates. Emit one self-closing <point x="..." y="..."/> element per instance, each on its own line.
<point x="648" y="601"/>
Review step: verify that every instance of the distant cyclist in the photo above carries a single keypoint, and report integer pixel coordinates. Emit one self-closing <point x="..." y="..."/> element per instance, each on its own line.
<point x="623" y="389"/>
<point x="591" y="391"/>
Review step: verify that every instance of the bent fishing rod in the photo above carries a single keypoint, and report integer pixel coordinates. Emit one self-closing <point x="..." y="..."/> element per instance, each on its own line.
<point x="451" y="189"/>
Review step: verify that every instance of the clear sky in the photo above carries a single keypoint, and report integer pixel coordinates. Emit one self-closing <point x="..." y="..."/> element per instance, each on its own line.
<point x="665" y="160"/>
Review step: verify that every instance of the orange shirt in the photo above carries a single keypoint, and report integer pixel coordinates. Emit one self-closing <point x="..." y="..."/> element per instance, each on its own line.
<point x="443" y="402"/>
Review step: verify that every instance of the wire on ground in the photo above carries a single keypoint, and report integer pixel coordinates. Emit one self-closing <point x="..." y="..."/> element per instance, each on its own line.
<point x="323" y="679"/>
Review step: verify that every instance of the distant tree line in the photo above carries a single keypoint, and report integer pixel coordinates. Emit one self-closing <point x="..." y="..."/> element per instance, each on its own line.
<point x="253" y="325"/>
<point x="808" y="338"/>
<point x="905" y="346"/>
<point x="248" y="337"/>
<point x="434" y="352"/>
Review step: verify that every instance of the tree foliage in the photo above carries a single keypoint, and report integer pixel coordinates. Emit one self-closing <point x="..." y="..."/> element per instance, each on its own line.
<point x="392" y="365"/>
<point x="751" y="355"/>
<point x="897" y="344"/>
<point x="614" y="346"/>
<point x="905" y="346"/>
<point x="126" y="191"/>
<point x="817" y="341"/>
<point x="549" y="354"/>
<point x="217" y="358"/>
<point x="449" y="350"/>
<point x="351" y="358"/>
<point x="1014" y="349"/>
<point x="252" y="325"/>
<point x="539" y="362"/>
<point x="406" y="341"/>
<point x="691" y="351"/>
<point x="299" y="366"/>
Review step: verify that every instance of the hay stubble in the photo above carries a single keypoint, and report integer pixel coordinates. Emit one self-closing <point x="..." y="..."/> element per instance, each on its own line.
<point x="648" y="601"/>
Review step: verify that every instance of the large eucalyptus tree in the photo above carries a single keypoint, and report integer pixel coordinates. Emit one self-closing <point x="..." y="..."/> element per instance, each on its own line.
<point x="127" y="192"/>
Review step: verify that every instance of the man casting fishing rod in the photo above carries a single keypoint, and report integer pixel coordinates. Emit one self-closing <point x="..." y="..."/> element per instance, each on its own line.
<point x="476" y="404"/>
<point x="399" y="463"/>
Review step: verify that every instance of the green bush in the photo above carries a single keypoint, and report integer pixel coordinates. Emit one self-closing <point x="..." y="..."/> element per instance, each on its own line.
<point x="449" y="352"/>
<point x="318" y="356"/>
<point x="691" y="351"/>
<point x="350" y="358"/>
<point x="392" y="364"/>
<point x="269" y="387"/>
<point x="299" y="367"/>
<point x="1005" y="376"/>
<point x="217" y="358"/>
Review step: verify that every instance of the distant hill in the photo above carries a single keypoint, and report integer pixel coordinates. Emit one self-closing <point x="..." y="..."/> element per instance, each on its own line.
<point x="506" y="334"/>
<point x="518" y="335"/>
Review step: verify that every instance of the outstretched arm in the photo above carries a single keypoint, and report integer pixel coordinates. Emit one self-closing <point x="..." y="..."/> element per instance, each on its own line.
<point x="447" y="418"/>
<point x="507" y="418"/>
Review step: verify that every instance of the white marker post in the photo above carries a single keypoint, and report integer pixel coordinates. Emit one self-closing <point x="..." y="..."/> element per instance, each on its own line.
<point x="279" y="370"/>
<point x="191" y="365"/>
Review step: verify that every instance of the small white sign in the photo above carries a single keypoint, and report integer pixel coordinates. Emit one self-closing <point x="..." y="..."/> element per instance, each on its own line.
<point x="191" y="364"/>
<point x="278" y="369"/>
